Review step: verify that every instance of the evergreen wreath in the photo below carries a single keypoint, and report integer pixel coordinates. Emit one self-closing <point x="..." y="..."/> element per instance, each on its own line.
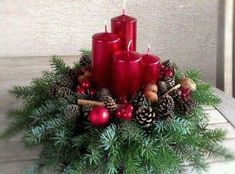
<point x="163" y="134"/>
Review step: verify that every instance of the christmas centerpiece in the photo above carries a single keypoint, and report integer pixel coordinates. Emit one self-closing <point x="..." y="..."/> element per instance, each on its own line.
<point x="117" y="111"/>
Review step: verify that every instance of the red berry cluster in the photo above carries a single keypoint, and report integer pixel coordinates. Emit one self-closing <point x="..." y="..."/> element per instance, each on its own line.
<point x="84" y="85"/>
<point x="167" y="71"/>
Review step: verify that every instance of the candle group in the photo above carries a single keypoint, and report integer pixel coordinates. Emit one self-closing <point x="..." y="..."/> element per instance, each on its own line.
<point x="116" y="65"/>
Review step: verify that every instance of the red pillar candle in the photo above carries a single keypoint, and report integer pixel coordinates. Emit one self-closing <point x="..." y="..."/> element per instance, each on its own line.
<point x="103" y="47"/>
<point x="126" y="27"/>
<point x="150" y="69"/>
<point x="126" y="77"/>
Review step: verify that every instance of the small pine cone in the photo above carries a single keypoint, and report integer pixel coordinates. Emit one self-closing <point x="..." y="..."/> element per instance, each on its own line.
<point x="139" y="100"/>
<point x="72" y="74"/>
<point x="170" y="81"/>
<point x="188" y="106"/>
<point x="64" y="92"/>
<point x="162" y="88"/>
<point x="65" y="81"/>
<point x="145" y="116"/>
<point x="176" y="95"/>
<point x="54" y="88"/>
<point x="110" y="104"/>
<point x="104" y="92"/>
<point x="166" y="63"/>
<point x="85" y="60"/>
<point x="164" y="107"/>
<point x="86" y="110"/>
<point x="72" y="112"/>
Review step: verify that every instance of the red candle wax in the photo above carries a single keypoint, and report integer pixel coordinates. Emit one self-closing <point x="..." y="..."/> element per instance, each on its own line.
<point x="126" y="77"/>
<point x="103" y="47"/>
<point x="126" y="27"/>
<point x="150" y="69"/>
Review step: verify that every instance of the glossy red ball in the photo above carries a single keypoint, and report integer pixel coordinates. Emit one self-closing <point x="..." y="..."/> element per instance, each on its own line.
<point x="99" y="116"/>
<point x="125" y="112"/>
<point x="80" y="90"/>
<point x="169" y="72"/>
<point x="85" y="84"/>
<point x="92" y="91"/>
<point x="185" y="93"/>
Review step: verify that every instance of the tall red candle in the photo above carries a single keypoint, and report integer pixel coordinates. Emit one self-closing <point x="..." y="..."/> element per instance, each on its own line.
<point x="126" y="77"/>
<point x="150" y="69"/>
<point x="126" y="27"/>
<point x="103" y="47"/>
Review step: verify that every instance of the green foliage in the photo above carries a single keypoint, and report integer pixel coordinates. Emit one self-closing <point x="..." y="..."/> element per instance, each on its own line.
<point x="123" y="146"/>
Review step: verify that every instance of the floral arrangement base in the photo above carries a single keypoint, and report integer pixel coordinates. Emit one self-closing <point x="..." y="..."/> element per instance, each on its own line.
<point x="85" y="129"/>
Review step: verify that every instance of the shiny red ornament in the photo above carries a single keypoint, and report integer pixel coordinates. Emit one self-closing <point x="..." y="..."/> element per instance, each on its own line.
<point x="168" y="72"/>
<point x="92" y="91"/>
<point x="103" y="47"/>
<point x="126" y="28"/>
<point x="185" y="93"/>
<point x="99" y="116"/>
<point x="85" y="84"/>
<point x="80" y="90"/>
<point x="125" y="112"/>
<point x="126" y="73"/>
<point x="150" y="69"/>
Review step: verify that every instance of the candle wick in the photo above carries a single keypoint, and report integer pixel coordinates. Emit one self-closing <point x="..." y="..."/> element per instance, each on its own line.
<point x="148" y="50"/>
<point x="124" y="7"/>
<point x="129" y="45"/>
<point x="105" y="25"/>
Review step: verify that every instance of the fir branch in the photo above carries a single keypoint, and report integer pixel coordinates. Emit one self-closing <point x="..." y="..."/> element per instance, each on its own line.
<point x="204" y="95"/>
<point x="86" y="52"/>
<point x="58" y="65"/>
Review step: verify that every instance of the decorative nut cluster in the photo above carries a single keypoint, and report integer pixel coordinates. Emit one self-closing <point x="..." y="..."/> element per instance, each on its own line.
<point x="151" y="92"/>
<point x="188" y="83"/>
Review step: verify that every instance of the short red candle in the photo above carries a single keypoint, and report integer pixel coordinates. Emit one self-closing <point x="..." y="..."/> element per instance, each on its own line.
<point x="126" y="27"/>
<point x="150" y="69"/>
<point x="126" y="77"/>
<point x="103" y="47"/>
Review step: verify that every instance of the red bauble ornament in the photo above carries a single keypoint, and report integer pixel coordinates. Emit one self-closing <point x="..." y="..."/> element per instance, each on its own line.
<point x="92" y="91"/>
<point x="168" y="72"/>
<point x="125" y="112"/>
<point x="99" y="116"/>
<point x="185" y="93"/>
<point x="85" y="84"/>
<point x="80" y="90"/>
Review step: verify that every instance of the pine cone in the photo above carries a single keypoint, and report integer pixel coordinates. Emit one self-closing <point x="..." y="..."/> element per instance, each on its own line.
<point x="139" y="100"/>
<point x="110" y="104"/>
<point x="72" y="74"/>
<point x="86" y="110"/>
<point x="72" y="112"/>
<point x="166" y="63"/>
<point x="85" y="60"/>
<point x="54" y="88"/>
<point x="64" y="92"/>
<point x="176" y="95"/>
<point x="170" y="82"/>
<point x="164" y="108"/>
<point x="104" y="92"/>
<point x="145" y="116"/>
<point x="187" y="107"/>
<point x="65" y="81"/>
<point x="162" y="88"/>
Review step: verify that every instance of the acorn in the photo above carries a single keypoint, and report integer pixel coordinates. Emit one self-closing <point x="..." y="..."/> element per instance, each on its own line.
<point x="88" y="75"/>
<point x="188" y="83"/>
<point x="81" y="78"/>
<point x="151" y="96"/>
<point x="151" y="87"/>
